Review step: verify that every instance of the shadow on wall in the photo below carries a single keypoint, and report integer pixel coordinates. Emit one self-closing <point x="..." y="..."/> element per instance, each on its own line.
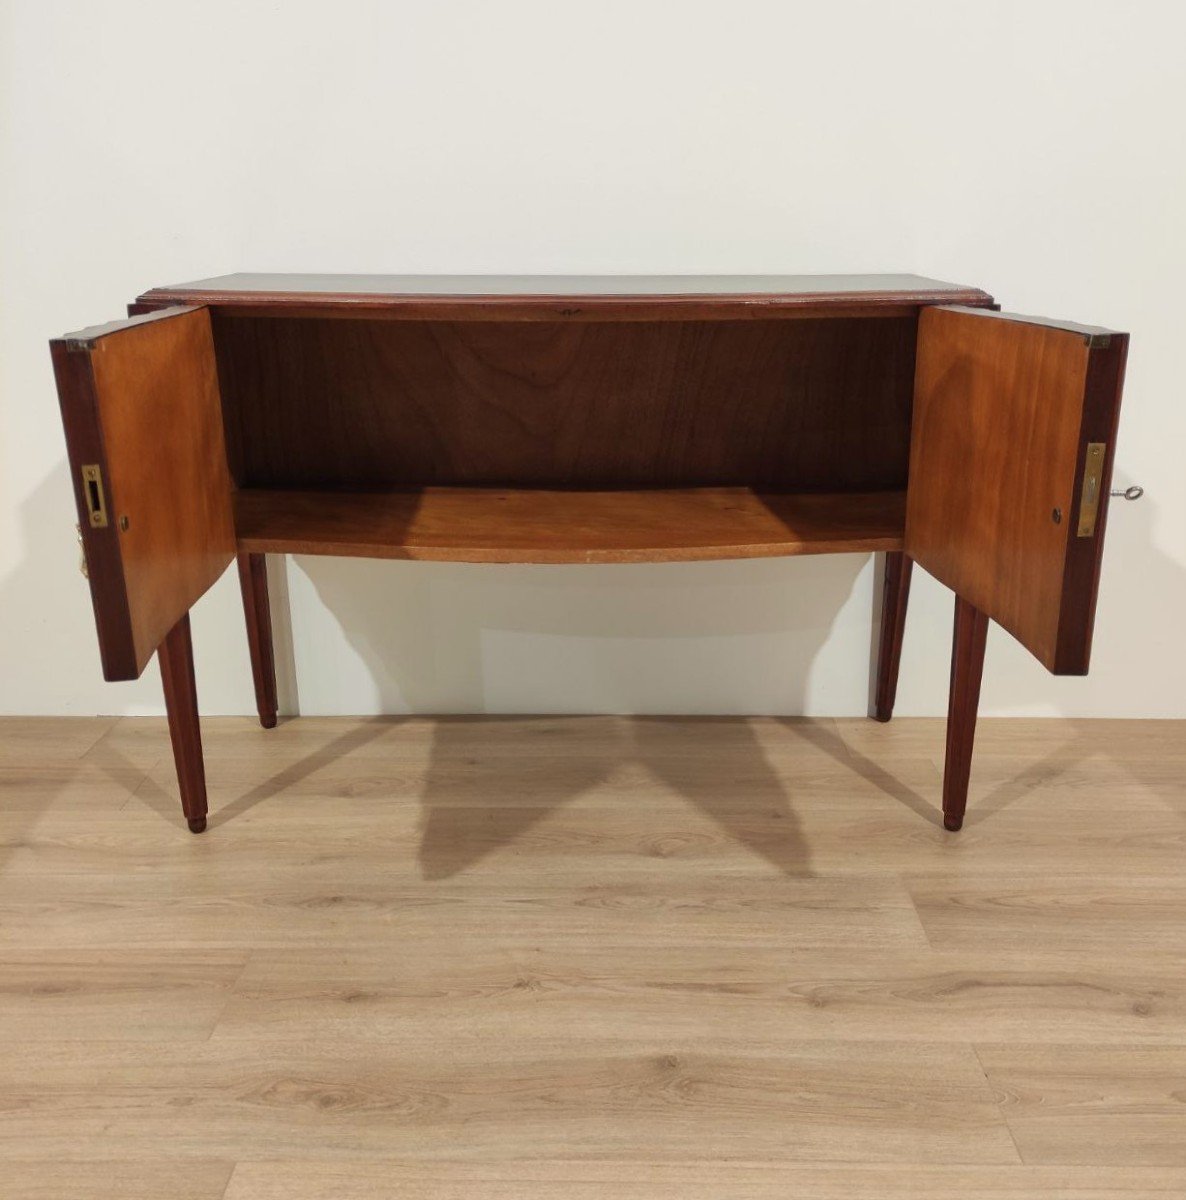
<point x="389" y="612"/>
<point x="632" y="633"/>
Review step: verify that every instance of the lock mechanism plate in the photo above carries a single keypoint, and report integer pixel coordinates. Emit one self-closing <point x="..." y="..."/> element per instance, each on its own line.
<point x="92" y="490"/>
<point x="1093" y="476"/>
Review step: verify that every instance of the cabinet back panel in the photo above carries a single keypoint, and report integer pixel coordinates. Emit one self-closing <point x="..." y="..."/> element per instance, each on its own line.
<point x="780" y="405"/>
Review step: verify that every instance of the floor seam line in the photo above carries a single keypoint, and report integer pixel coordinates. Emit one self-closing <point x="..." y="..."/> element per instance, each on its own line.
<point x="1000" y="1108"/>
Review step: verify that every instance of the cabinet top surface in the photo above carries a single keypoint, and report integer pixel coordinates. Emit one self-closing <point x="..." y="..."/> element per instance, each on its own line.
<point x="394" y="290"/>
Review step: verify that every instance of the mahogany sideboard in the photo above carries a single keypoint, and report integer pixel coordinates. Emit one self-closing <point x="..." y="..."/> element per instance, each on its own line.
<point x="590" y="420"/>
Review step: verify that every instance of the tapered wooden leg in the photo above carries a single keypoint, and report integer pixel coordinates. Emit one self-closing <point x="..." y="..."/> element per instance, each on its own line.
<point x="253" y="580"/>
<point x="967" y="668"/>
<point x="176" y="656"/>
<point x="895" y="592"/>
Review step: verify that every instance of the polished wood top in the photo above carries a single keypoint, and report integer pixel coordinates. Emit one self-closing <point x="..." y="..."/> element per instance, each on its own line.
<point x="568" y="295"/>
<point x="567" y="285"/>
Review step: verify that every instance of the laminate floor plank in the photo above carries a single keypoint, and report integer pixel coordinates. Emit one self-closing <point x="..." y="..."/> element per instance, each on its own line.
<point x="606" y="833"/>
<point x="588" y="1094"/>
<point x="40" y="741"/>
<point x="550" y="957"/>
<point x="80" y="995"/>
<point x="191" y="1179"/>
<point x="1103" y="915"/>
<point x="682" y="989"/>
<point x="316" y="906"/>
<point x="694" y="1181"/>
<point x="1093" y="1105"/>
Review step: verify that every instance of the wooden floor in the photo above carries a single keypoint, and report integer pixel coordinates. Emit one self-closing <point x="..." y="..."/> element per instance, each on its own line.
<point x="592" y="957"/>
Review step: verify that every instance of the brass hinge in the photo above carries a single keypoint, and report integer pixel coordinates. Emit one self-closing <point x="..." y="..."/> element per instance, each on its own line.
<point x="92" y="490"/>
<point x="1093" y="476"/>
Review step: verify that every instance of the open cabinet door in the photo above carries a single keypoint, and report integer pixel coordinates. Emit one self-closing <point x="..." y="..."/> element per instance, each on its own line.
<point x="143" y="420"/>
<point x="1011" y="460"/>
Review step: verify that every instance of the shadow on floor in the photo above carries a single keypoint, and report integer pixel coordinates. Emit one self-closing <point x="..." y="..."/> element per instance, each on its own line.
<point x="733" y="783"/>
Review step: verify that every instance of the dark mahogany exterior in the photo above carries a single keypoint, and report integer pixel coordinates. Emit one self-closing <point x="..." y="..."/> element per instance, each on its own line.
<point x="895" y="593"/>
<point x="589" y="419"/>
<point x="176" y="656"/>
<point x="253" y="582"/>
<point x="581" y="297"/>
<point x="967" y="669"/>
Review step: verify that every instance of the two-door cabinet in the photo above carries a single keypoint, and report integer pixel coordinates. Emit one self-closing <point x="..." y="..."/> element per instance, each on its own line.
<point x="590" y="420"/>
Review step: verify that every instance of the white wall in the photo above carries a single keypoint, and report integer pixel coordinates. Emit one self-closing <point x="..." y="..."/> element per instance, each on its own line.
<point x="1034" y="149"/>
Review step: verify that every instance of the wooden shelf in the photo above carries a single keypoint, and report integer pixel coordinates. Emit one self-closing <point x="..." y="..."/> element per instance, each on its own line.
<point x="495" y="525"/>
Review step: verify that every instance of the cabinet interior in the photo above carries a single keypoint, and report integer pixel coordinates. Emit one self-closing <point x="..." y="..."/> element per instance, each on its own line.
<point x="544" y="440"/>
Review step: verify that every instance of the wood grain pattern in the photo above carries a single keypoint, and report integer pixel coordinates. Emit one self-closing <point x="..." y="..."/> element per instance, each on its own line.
<point x="497" y="526"/>
<point x="193" y="1179"/>
<point x="1004" y="407"/>
<point x="1084" y="1105"/>
<point x="253" y="583"/>
<point x="140" y="397"/>
<point x="579" y="1180"/>
<point x="684" y="992"/>
<point x="967" y="668"/>
<point x="890" y="618"/>
<point x="437" y="957"/>
<point x="568" y="297"/>
<point x="382" y="957"/>
<point x="84" y="995"/>
<point x="776" y="406"/>
<point x="63" y="742"/>
<point x="788" y="1102"/>
<point x="1085" y="915"/>
<point x="842" y="782"/>
<point x="176" y="655"/>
